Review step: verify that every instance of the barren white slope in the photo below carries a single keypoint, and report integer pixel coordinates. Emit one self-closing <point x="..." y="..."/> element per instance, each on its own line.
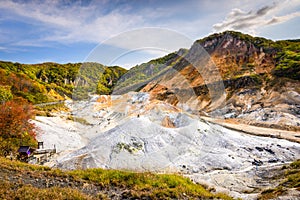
<point x="141" y="144"/>
<point x="126" y="132"/>
<point x="59" y="133"/>
<point x="129" y="134"/>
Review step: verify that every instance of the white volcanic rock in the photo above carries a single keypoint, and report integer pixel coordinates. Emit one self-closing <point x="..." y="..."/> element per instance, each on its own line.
<point x="126" y="132"/>
<point x="61" y="133"/>
<point x="142" y="145"/>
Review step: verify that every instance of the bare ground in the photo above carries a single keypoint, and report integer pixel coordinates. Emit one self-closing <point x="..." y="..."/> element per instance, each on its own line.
<point x="293" y="136"/>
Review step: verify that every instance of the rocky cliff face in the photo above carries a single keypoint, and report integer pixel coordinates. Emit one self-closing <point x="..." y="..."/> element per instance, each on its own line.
<point x="237" y="55"/>
<point x="233" y="75"/>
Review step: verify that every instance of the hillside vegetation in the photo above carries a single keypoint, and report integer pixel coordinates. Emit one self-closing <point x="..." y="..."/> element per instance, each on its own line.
<point x="288" y="60"/>
<point x="47" y="82"/>
<point x="24" y="181"/>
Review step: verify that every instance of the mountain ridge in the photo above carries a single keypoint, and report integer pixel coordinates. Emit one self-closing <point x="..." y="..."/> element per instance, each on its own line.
<point x="256" y="72"/>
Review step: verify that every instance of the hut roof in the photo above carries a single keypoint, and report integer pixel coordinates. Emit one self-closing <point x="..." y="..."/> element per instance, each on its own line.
<point x="24" y="149"/>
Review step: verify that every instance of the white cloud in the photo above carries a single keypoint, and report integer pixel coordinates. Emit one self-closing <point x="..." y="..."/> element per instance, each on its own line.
<point x="44" y="12"/>
<point x="284" y="18"/>
<point x="11" y="49"/>
<point x="100" y="20"/>
<point x="71" y="23"/>
<point x="250" y="21"/>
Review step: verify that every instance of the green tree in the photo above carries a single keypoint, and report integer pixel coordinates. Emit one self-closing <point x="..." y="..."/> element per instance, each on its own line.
<point x="5" y="94"/>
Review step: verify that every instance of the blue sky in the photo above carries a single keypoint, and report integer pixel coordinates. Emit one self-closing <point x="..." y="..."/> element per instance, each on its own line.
<point x="33" y="31"/>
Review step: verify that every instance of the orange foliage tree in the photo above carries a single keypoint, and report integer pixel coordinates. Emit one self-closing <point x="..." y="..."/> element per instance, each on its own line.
<point x="15" y="126"/>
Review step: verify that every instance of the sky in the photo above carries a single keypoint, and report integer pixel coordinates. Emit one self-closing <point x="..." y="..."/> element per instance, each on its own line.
<point x="131" y="32"/>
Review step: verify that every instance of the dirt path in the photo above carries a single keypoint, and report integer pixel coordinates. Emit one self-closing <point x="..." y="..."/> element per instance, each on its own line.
<point x="258" y="131"/>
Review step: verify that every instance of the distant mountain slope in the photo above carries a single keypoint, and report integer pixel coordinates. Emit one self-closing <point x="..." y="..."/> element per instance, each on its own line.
<point x="260" y="77"/>
<point x="46" y="82"/>
<point x="142" y="74"/>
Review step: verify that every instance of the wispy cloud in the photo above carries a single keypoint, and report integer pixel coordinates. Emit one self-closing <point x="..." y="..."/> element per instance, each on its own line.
<point x="71" y="23"/>
<point x="251" y="21"/>
<point x="4" y="49"/>
<point x="284" y="18"/>
<point x="95" y="21"/>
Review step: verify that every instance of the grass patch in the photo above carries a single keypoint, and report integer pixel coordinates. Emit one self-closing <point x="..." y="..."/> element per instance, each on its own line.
<point x="154" y="185"/>
<point x="133" y="185"/>
<point x="46" y="110"/>
<point x="17" y="165"/>
<point x="78" y="119"/>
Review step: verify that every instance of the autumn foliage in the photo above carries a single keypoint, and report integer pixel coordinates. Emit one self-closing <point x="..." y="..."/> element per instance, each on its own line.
<point x="15" y="126"/>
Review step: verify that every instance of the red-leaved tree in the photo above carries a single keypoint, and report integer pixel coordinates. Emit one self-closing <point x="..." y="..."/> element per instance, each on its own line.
<point x="15" y="126"/>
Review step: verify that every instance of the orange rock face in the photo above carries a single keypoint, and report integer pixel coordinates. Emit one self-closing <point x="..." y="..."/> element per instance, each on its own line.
<point x="168" y="123"/>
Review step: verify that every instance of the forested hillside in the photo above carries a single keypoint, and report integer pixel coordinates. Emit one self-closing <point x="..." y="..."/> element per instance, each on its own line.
<point x="47" y="82"/>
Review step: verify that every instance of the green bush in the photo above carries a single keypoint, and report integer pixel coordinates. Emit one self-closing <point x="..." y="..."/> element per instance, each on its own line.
<point x="5" y="93"/>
